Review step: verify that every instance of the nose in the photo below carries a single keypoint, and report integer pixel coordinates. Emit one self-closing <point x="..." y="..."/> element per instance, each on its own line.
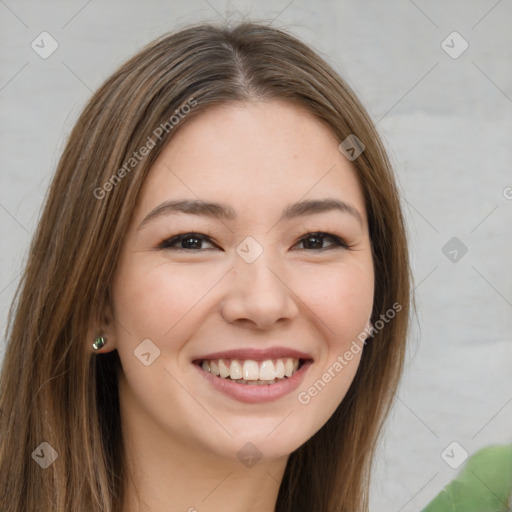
<point x="259" y="295"/>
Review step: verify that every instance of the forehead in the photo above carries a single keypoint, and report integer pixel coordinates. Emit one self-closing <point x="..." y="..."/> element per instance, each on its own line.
<point x="263" y="153"/>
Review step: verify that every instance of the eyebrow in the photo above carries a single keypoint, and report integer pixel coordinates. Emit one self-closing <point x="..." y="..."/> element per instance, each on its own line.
<point x="224" y="211"/>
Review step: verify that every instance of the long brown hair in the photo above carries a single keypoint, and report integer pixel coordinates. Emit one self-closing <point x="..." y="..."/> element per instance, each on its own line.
<point x="54" y="390"/>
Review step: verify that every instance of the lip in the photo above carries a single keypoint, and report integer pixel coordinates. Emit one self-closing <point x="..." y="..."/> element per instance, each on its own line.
<point x="255" y="354"/>
<point x="256" y="394"/>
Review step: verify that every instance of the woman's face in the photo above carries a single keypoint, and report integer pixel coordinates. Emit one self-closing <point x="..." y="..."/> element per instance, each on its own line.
<point x="269" y="281"/>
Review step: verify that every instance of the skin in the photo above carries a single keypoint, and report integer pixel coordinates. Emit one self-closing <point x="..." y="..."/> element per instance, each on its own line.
<point x="181" y="435"/>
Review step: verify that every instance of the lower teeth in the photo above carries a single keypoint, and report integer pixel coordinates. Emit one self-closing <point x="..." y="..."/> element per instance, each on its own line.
<point x="256" y="382"/>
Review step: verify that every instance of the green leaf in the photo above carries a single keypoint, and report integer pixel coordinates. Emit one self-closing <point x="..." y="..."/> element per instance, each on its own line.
<point x="484" y="485"/>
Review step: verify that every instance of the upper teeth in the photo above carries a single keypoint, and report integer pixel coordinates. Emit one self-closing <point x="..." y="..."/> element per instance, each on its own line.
<point x="250" y="369"/>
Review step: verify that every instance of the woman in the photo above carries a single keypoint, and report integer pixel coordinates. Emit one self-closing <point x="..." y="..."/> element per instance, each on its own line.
<point x="214" y="311"/>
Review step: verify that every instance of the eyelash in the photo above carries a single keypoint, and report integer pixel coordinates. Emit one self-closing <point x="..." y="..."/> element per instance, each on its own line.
<point x="169" y="242"/>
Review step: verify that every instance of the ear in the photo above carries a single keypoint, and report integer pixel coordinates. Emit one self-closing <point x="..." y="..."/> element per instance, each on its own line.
<point x="102" y="323"/>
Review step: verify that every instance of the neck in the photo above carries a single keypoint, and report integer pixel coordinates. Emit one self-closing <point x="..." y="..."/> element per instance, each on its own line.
<point x="170" y="474"/>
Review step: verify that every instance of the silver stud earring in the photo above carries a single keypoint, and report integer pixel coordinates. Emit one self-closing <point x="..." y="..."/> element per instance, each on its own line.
<point x="99" y="342"/>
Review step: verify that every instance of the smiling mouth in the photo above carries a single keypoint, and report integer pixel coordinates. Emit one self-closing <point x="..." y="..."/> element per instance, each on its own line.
<point x="251" y="372"/>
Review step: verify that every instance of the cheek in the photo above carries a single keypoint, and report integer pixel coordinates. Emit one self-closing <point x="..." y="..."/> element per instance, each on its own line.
<point x="341" y="298"/>
<point x="151" y="301"/>
<point x="156" y="303"/>
<point x="342" y="302"/>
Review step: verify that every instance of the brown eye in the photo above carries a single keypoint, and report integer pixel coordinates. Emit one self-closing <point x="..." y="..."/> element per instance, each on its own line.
<point x="316" y="241"/>
<point x="185" y="241"/>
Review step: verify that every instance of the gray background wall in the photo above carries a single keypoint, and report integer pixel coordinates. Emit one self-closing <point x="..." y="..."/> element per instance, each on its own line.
<point x="447" y="123"/>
